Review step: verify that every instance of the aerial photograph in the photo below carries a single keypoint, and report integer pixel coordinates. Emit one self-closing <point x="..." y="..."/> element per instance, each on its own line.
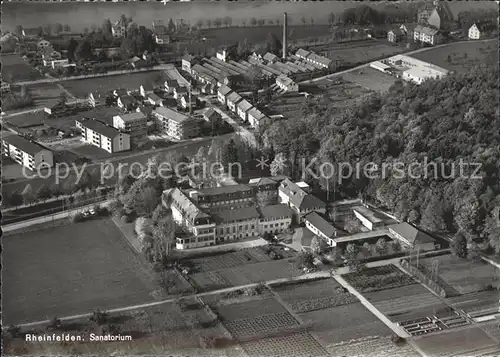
<point x="250" y="178"/>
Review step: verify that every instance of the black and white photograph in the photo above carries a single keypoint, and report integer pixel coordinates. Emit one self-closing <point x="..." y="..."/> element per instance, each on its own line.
<point x="250" y="178"/>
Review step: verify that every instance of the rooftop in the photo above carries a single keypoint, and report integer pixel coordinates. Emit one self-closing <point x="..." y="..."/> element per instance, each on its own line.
<point x="224" y="190"/>
<point x="302" y="53"/>
<point x="410" y="233"/>
<point x="426" y="30"/>
<point x="318" y="221"/>
<point x="190" y="211"/>
<point x="240" y="214"/>
<point x="298" y="197"/>
<point x="154" y="97"/>
<point x="99" y="127"/>
<point x="367" y="213"/>
<point x="132" y="117"/>
<point x="234" y="97"/>
<point x="171" y="114"/>
<point x="245" y="105"/>
<point x="255" y="113"/>
<point x="24" y="144"/>
<point x="224" y="90"/>
<point x="276" y="211"/>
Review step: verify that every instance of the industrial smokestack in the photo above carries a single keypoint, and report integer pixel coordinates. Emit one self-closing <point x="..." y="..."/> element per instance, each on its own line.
<point x="285" y="42"/>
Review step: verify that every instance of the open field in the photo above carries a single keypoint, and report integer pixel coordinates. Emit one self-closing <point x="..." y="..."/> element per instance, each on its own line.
<point x="167" y="327"/>
<point x="313" y="295"/>
<point x="408" y="302"/>
<point x="463" y="275"/>
<point x="293" y="345"/>
<point x="463" y="342"/>
<point x="344" y="323"/>
<point x="44" y="93"/>
<point x="85" y="266"/>
<point x="27" y="119"/>
<point x="357" y="52"/>
<point x="14" y="69"/>
<point x="475" y="303"/>
<point x="82" y="87"/>
<point x="491" y="327"/>
<point x="371" y="347"/>
<point x="464" y="56"/>
<point x="371" y="79"/>
<point x="378" y="278"/>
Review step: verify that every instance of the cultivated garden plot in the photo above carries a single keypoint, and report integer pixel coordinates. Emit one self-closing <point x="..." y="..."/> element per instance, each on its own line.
<point x="476" y="304"/>
<point x="462" y="275"/>
<point x="378" y="278"/>
<point x="371" y="347"/>
<point x="313" y="295"/>
<point x="344" y="323"/>
<point x="83" y="269"/>
<point x="227" y="259"/>
<point x="291" y="345"/>
<point x="261" y="326"/>
<point x="408" y="302"/>
<point x="247" y="309"/>
<point x="491" y="327"/>
<point x="459" y="342"/>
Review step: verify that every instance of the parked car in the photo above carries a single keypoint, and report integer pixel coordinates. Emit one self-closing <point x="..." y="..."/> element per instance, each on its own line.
<point x="92" y="212"/>
<point x="85" y="214"/>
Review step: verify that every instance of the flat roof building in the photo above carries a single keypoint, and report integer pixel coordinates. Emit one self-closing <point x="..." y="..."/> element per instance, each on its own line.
<point x="103" y="136"/>
<point x="26" y="152"/>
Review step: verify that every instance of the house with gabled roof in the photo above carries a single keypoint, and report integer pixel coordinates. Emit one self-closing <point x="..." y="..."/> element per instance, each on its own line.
<point x="302" y="54"/>
<point x="222" y="94"/>
<point x="270" y="57"/>
<point x="426" y="34"/>
<point x="412" y="237"/>
<point x="127" y="102"/>
<point x="300" y="201"/>
<point x="232" y="100"/>
<point x="242" y="109"/>
<point x="320" y="226"/>
<point x="212" y="115"/>
<point x="178" y="92"/>
<point x="255" y="117"/>
<point x="170" y="85"/>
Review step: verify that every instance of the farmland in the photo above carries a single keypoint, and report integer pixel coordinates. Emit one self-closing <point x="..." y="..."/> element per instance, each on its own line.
<point x="252" y="265"/>
<point x="371" y="79"/>
<point x="27" y="119"/>
<point x="84" y="267"/>
<point x="296" y="345"/>
<point x="379" y="278"/>
<point x="313" y="295"/>
<point x="171" y="326"/>
<point x="374" y="346"/>
<point x="407" y="303"/>
<point x="464" y="276"/>
<point x="357" y="52"/>
<point x="82" y="87"/>
<point x="463" y="342"/>
<point x="15" y="69"/>
<point x="343" y="323"/>
<point x="463" y="55"/>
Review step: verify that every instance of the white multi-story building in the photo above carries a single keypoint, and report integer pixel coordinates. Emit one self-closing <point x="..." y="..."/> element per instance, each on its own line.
<point x="286" y="83"/>
<point x="103" y="136"/>
<point x="368" y="218"/>
<point x="26" y="152"/>
<point x="135" y="124"/>
<point x="242" y="109"/>
<point x="298" y="198"/>
<point x="222" y="94"/>
<point x="232" y="100"/>
<point x="175" y="124"/>
<point x="275" y="219"/>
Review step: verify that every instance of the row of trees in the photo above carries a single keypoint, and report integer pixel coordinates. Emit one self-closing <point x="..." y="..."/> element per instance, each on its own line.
<point x="441" y="121"/>
<point x="17" y="100"/>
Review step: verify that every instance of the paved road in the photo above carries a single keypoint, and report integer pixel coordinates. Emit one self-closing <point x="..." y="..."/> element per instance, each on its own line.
<point x="187" y="148"/>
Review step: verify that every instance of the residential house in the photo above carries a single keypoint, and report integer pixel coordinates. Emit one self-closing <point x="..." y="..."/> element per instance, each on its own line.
<point x="407" y="30"/>
<point x="163" y="39"/>
<point x="368" y="218"/>
<point x="26" y="152"/>
<point x="170" y="85"/>
<point x="270" y="57"/>
<point x="103" y="136"/>
<point x="233" y="224"/>
<point x="395" y="35"/>
<point x="60" y="63"/>
<point x="209" y="88"/>
<point x="275" y="219"/>
<point x="175" y="124"/>
<point x="287" y="84"/>
<point x="242" y="109"/>
<point x="319" y="61"/>
<point x="476" y="31"/>
<point x="154" y="99"/>
<point x="54" y="107"/>
<point x="135" y="124"/>
<point x="199" y="226"/>
<point x="146" y="110"/>
<point x="137" y="62"/>
<point x="121" y="92"/>
<point x="127" y="102"/>
<point x="427" y="35"/>
<point x="224" y="198"/>
<point x="145" y="89"/>
<point x="43" y="44"/>
<point x="232" y="101"/>
<point x="179" y="92"/>
<point x="119" y="29"/>
<point x="96" y="99"/>
<point x="319" y="226"/>
<point x="222" y="94"/>
<point x="189" y="102"/>
<point x="411" y="237"/>
<point x="266" y="190"/>
<point x="188" y="61"/>
<point x="255" y="117"/>
<point x="297" y="197"/>
<point x="212" y="115"/>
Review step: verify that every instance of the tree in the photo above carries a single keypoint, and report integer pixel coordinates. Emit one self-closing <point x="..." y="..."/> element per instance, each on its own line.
<point x="459" y="245"/>
<point x="381" y="246"/>
<point x="159" y="213"/>
<point x="71" y="48"/>
<point x="99" y="317"/>
<point x="14" y="199"/>
<point x="273" y="44"/>
<point x="27" y="194"/>
<point x="228" y="21"/>
<point x="217" y="22"/>
<point x="66" y="28"/>
<point x="303" y="20"/>
<point x="208" y="23"/>
<point x="305" y="260"/>
<point x="57" y="28"/>
<point x="19" y="30"/>
<point x="317" y="245"/>
<point x="331" y="18"/>
<point x="351" y="257"/>
<point x="143" y="226"/>
<point x="229" y="154"/>
<point x="44" y="192"/>
<point x="107" y="28"/>
<point x="163" y="238"/>
<point x="253" y="21"/>
<point x="280" y="165"/>
<point x="83" y="51"/>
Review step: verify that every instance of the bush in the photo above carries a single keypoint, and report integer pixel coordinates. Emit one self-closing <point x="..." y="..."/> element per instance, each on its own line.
<point x="77" y="217"/>
<point x="99" y="317"/>
<point x="126" y="218"/>
<point x="398" y="340"/>
<point x="14" y="331"/>
<point x="55" y="324"/>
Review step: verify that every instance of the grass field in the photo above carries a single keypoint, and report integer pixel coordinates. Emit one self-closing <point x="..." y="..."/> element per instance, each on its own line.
<point x="69" y="270"/>
<point x="81" y="88"/>
<point x="15" y="69"/>
<point x="464" y="56"/>
<point x="27" y="120"/>
<point x="357" y="52"/>
<point x="371" y="79"/>
<point x="464" y="342"/>
<point x="371" y="347"/>
<point x="464" y="275"/>
<point x="43" y="93"/>
<point x="344" y="323"/>
<point x="314" y="295"/>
